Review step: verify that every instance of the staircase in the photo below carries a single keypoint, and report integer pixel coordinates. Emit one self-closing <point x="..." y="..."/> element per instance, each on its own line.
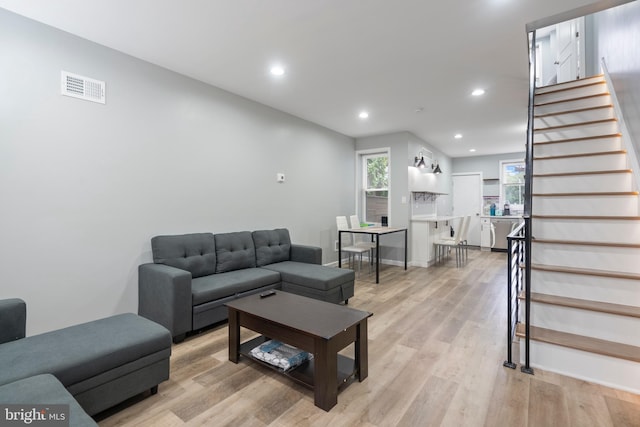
<point x="585" y="250"/>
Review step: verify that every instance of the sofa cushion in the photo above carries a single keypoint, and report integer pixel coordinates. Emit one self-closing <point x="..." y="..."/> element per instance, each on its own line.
<point x="221" y="285"/>
<point x="272" y="246"/>
<point x="234" y="251"/>
<point x="195" y="253"/>
<point x="13" y="319"/>
<point x="82" y="351"/>
<point x="312" y="275"/>
<point x="42" y="390"/>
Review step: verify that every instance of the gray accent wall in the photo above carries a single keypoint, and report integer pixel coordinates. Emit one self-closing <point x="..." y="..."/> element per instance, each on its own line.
<point x="488" y="165"/>
<point x="84" y="186"/>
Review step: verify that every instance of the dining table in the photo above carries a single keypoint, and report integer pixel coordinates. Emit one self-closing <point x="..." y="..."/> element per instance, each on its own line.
<point x="375" y="232"/>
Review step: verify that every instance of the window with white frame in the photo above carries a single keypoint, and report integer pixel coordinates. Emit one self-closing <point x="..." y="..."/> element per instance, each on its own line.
<point x="512" y="183"/>
<point x="375" y="186"/>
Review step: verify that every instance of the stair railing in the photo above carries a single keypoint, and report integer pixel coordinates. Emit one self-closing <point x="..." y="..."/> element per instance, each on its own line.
<point x="519" y="241"/>
<point x="515" y="285"/>
<point x="528" y="199"/>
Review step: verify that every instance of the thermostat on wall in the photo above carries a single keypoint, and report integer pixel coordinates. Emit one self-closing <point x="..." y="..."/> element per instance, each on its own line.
<point x="280" y="177"/>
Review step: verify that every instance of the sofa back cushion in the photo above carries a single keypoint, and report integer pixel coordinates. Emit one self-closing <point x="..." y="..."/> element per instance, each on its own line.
<point x="234" y="251"/>
<point x="195" y="253"/>
<point x="272" y="246"/>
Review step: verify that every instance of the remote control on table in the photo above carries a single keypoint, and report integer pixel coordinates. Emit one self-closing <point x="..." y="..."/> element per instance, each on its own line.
<point x="267" y="294"/>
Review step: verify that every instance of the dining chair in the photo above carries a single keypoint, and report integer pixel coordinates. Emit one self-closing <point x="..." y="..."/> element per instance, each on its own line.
<point x="458" y="243"/>
<point x="351" y="249"/>
<point x="359" y="241"/>
<point x="464" y="233"/>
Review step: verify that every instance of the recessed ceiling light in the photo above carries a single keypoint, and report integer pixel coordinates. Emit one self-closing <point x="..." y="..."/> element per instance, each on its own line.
<point x="477" y="92"/>
<point x="472" y="150"/>
<point x="457" y="136"/>
<point x="277" y="70"/>
<point x="363" y="115"/>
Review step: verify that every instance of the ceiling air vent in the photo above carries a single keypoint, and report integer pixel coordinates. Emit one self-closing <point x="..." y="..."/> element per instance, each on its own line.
<point x="83" y="87"/>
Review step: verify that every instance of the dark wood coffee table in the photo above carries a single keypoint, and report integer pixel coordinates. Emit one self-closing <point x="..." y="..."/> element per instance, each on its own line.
<point x="318" y="327"/>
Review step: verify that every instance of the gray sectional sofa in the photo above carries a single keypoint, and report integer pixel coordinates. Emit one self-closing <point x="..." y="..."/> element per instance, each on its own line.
<point x="194" y="275"/>
<point x="97" y="364"/>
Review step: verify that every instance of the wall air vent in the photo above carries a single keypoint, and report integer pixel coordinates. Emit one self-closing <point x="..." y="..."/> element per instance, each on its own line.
<point x="83" y="87"/>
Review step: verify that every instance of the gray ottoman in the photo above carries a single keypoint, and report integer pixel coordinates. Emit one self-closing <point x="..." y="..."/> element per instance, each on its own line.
<point x="45" y="390"/>
<point x="315" y="281"/>
<point x="101" y="363"/>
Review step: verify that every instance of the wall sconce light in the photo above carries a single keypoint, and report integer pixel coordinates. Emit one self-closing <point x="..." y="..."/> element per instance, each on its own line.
<point x="419" y="162"/>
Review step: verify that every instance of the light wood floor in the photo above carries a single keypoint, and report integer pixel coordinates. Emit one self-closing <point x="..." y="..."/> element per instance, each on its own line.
<point x="436" y="347"/>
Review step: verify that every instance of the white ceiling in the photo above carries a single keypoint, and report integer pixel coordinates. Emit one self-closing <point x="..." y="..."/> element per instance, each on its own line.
<point x="388" y="57"/>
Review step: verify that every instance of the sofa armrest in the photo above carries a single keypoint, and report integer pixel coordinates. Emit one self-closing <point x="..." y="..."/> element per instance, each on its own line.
<point x="13" y="319"/>
<point x="308" y="254"/>
<point x="164" y="296"/>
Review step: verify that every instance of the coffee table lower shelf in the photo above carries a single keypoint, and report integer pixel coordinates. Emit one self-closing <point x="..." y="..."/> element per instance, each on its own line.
<point x="303" y="374"/>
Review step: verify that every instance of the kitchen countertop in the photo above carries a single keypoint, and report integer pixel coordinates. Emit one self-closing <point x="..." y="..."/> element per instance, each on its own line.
<point x="433" y="218"/>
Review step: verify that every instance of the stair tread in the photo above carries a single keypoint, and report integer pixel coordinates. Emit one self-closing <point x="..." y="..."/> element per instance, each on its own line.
<point x="600" y="172"/>
<point x="586" y="271"/>
<point x="586" y="243"/>
<point x="578" y="110"/>
<point x="595" y="153"/>
<point x="589" y="123"/>
<point x="589" y="217"/>
<point x="581" y="342"/>
<point x="579" y="98"/>
<point x="592" y="193"/>
<point x="598" y="77"/>
<point x="600" y="306"/>
<point x="574" y="87"/>
<point x="583" y="138"/>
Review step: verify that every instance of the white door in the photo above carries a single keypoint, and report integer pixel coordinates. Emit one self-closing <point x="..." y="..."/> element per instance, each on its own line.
<point x="467" y="200"/>
<point x="568" y="50"/>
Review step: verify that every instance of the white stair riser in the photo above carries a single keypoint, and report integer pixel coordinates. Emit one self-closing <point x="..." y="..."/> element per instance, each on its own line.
<point x="574" y="104"/>
<point x="573" y="118"/>
<point x="583" y="131"/>
<point x="578" y="147"/>
<point x="572" y="83"/>
<point x="581" y="164"/>
<point x="543" y="98"/>
<point x="609" y="371"/>
<point x="594" y="288"/>
<point x="583" y="183"/>
<point x="621" y="231"/>
<point x="597" y="206"/>
<point x="605" y="326"/>
<point x="623" y="260"/>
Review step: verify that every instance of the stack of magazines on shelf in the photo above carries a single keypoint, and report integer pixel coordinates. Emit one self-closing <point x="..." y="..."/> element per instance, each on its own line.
<point x="280" y="355"/>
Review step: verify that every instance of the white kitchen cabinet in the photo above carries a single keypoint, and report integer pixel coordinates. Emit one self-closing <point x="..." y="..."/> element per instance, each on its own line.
<point x="424" y="231"/>
<point x="486" y="236"/>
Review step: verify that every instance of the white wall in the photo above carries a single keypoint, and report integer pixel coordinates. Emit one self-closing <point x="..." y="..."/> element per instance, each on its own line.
<point x="84" y="186"/>
<point x="617" y="39"/>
